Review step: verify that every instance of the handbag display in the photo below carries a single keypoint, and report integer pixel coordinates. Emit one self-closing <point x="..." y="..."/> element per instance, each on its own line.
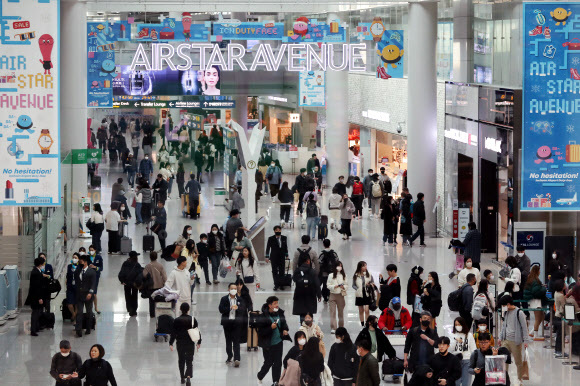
<point x="572" y="45"/>
<point x="166" y="33"/>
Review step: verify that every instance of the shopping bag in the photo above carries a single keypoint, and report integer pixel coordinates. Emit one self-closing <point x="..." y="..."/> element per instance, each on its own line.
<point x="495" y="370"/>
<point x="418" y="306"/>
<point x="526" y="366"/>
<point x="224" y="268"/>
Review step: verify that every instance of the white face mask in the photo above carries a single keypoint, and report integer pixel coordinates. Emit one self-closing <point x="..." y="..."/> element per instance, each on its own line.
<point x="204" y="241"/>
<point x="272" y="165"/>
<point x="146" y="157"/>
<point x="233" y="292"/>
<point x="122" y="208"/>
<point x="302" y="342"/>
<point x="189" y="231"/>
<point x="520" y="254"/>
<point x="214" y="232"/>
<point x="458" y="328"/>
<point x="276" y="309"/>
<point x="429" y="281"/>
<point x="65" y="355"/>
<point x="468" y="265"/>
<point x="338" y="340"/>
<point x="338" y="269"/>
<point x="482" y="328"/>
<point x="554" y="256"/>
<point x="75" y="261"/>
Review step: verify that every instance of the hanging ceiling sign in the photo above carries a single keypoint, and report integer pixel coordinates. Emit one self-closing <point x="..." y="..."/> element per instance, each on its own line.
<point x="306" y="30"/>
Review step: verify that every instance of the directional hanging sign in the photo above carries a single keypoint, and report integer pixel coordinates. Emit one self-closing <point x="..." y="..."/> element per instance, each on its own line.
<point x="210" y="105"/>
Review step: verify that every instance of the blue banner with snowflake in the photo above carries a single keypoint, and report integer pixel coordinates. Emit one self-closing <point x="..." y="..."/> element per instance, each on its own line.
<point x="551" y="89"/>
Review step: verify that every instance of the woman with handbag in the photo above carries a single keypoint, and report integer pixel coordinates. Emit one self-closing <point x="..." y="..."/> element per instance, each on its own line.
<point x="190" y="254"/>
<point x="246" y="270"/>
<point x="346" y="211"/>
<point x="186" y="333"/>
<point x="97" y="226"/>
<point x="363" y="284"/>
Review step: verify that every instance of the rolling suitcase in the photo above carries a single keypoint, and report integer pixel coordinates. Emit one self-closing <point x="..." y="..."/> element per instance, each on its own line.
<point x="322" y="231"/>
<point x="252" y="339"/>
<point x="324" y="220"/>
<point x="148" y="241"/>
<point x="572" y="152"/>
<point x="46" y="320"/>
<point x="89" y="322"/>
<point x="96" y="181"/>
<point x="286" y="279"/>
<point x="66" y="314"/>
<point x="126" y="244"/>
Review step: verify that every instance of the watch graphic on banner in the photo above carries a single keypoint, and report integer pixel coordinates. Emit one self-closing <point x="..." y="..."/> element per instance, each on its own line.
<point x="377" y="29"/>
<point x="45" y="141"/>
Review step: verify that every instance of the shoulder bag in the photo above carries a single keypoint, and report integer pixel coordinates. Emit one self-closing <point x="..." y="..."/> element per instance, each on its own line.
<point x="194" y="333"/>
<point x="247" y="279"/>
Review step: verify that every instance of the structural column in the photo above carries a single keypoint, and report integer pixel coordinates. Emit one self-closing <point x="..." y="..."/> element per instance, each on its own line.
<point x="336" y="125"/>
<point x="73" y="101"/>
<point x="463" y="41"/>
<point x="422" y="111"/>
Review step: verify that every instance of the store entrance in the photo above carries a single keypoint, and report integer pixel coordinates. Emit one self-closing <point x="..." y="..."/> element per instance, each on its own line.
<point x="465" y="181"/>
<point x="488" y="206"/>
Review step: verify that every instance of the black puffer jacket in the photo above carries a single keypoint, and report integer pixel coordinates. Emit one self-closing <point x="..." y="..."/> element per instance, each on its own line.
<point x="264" y="325"/>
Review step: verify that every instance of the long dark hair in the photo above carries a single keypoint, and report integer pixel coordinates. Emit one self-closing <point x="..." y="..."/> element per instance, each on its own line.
<point x="190" y="245"/>
<point x="297" y="336"/>
<point x="342" y="332"/>
<point x="97" y="208"/>
<point x="435" y="277"/>
<point x="184" y="233"/>
<point x="463" y="323"/>
<point x="285" y="186"/>
<point x="482" y="289"/>
<point x="240" y="234"/>
<point x="311" y="348"/>
<point x="241" y="257"/>
<point x="218" y="229"/>
<point x="359" y="268"/>
<point x="335" y="272"/>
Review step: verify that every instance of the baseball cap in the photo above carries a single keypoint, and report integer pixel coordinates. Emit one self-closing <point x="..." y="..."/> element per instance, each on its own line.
<point x="134" y="254"/>
<point x="396" y="300"/>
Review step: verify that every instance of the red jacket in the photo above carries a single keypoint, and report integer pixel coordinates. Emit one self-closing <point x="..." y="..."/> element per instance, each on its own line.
<point x="387" y="320"/>
<point x="357" y="188"/>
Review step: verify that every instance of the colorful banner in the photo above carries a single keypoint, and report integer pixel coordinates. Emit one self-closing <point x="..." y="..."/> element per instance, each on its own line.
<point x="390" y="49"/>
<point x="311" y="89"/>
<point x="101" y="69"/>
<point x="306" y="30"/>
<point x="30" y="102"/>
<point x="551" y="82"/>
<point x="174" y="30"/>
<point x="236" y="30"/>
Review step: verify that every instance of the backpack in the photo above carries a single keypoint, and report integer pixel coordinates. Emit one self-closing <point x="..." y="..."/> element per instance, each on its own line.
<point x="479" y="304"/>
<point x="303" y="255"/>
<point x="455" y="299"/>
<point x="376" y="189"/>
<point x="302" y="282"/>
<point x="327" y="261"/>
<point x="311" y="208"/>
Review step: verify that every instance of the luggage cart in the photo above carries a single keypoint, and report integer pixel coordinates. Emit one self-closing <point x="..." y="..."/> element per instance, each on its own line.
<point x="163" y="309"/>
<point x="397" y="339"/>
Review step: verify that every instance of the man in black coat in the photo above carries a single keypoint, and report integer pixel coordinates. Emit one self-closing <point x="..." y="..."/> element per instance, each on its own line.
<point x="160" y="187"/>
<point x="85" y="280"/>
<point x="446" y="367"/>
<point x="300" y="187"/>
<point x="233" y="310"/>
<point x="307" y="290"/>
<point x="419" y="219"/>
<point x="272" y="331"/>
<point x="37" y="294"/>
<point x="419" y="343"/>
<point x="340" y="186"/>
<point x="276" y="253"/>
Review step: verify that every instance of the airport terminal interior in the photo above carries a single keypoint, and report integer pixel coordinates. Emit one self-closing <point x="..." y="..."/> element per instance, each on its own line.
<point x="438" y="136"/>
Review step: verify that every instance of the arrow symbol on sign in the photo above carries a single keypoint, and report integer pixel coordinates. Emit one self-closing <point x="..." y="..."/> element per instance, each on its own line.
<point x="204" y="104"/>
<point x="170" y="104"/>
<point x="137" y="104"/>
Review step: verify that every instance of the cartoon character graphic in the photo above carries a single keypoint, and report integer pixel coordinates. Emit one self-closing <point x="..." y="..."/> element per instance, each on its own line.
<point x="560" y="15"/>
<point x="301" y="26"/>
<point x="186" y="21"/>
<point x="45" y="43"/>
<point x="544" y="154"/>
<point x="390" y="50"/>
<point x="107" y="67"/>
<point x="24" y="122"/>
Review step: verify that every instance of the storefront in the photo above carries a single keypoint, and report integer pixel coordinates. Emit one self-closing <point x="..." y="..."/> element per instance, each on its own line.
<point x="479" y="125"/>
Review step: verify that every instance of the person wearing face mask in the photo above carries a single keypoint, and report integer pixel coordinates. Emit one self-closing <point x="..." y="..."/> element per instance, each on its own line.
<point x="182" y="239"/>
<point x="472" y="244"/>
<point x="337" y="285"/>
<point x="380" y="344"/>
<point x="203" y="256"/>
<point x="296" y="350"/>
<point x="300" y="187"/>
<point x="477" y="360"/>
<point x="65" y="365"/>
<point x="160" y="187"/>
<point x="395" y="317"/>
<point x="515" y="276"/>
<point x="112" y="222"/>
<point x="276" y="254"/>
<point x="482" y="327"/>
<point x="272" y="331"/>
<point x="96" y="264"/>
<point x="357" y="197"/>
<point x="233" y="310"/>
<point x="368" y="368"/>
<point x="217" y="249"/>
<point x="312" y="329"/>
<point x="37" y="294"/>
<point x="340" y="186"/>
<point x="414" y="285"/>
<point x="71" y="300"/>
<point x="85" y="280"/>
<point x="98" y="372"/>
<point x="274" y="179"/>
<point x="343" y="359"/>
<point x="145" y="166"/>
<point x="286" y="199"/>
<point x="419" y="343"/>
<point x="367" y="185"/>
<point x="385" y="181"/>
<point x="467" y="269"/>
<point x="311" y="363"/>
<point x="98" y="226"/>
<point x="462" y="345"/>
<point x="49" y="274"/>
<point x="446" y="366"/>
<point x="347" y="209"/>
<point x="431" y="296"/>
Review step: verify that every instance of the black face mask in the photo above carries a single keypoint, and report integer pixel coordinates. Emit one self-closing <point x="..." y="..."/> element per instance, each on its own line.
<point x="425" y="323"/>
<point x="277" y="233"/>
<point x="396" y="307"/>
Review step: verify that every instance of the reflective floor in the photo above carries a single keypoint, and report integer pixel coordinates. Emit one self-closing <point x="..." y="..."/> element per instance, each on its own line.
<point x="137" y="359"/>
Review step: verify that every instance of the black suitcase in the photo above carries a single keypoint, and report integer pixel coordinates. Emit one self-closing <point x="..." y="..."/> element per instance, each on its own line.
<point x="393" y="367"/>
<point x="253" y="318"/>
<point x="322" y="232"/>
<point x="96" y="181"/>
<point x="148" y="240"/>
<point x="164" y="324"/>
<point x="46" y="320"/>
<point x="324" y="220"/>
<point x="66" y="314"/>
<point x="92" y="323"/>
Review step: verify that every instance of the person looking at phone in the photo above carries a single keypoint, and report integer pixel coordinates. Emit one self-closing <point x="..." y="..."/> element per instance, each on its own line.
<point x="65" y="365"/>
<point x="272" y="331"/>
<point x="477" y="359"/>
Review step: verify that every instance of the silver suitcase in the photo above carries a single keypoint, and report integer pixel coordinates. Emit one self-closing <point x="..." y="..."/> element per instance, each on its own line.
<point x="126" y="243"/>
